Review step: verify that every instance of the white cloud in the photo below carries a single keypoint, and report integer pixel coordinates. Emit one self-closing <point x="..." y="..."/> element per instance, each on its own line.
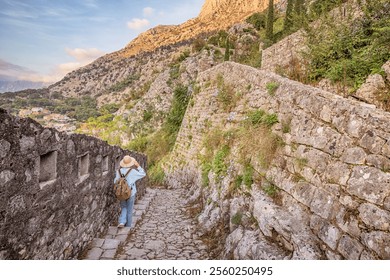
<point x="148" y="11"/>
<point x="84" y="55"/>
<point x="137" y="23"/>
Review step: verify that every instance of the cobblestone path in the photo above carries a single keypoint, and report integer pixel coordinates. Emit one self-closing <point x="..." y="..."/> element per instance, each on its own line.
<point x="165" y="232"/>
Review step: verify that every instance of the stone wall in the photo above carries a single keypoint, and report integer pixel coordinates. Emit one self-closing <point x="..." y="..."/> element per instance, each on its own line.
<point x="55" y="190"/>
<point x="332" y="174"/>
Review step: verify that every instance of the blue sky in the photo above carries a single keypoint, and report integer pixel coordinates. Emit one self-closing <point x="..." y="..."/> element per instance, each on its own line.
<point x="41" y="40"/>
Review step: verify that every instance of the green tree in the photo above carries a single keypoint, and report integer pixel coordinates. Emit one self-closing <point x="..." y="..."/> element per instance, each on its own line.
<point x="227" y="50"/>
<point x="270" y="20"/>
<point x="288" y="20"/>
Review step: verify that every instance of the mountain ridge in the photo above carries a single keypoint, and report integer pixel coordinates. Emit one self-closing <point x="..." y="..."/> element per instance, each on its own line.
<point x="214" y="15"/>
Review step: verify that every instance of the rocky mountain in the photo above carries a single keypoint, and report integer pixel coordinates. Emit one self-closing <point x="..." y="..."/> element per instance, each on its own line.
<point x="215" y="15"/>
<point x="13" y="86"/>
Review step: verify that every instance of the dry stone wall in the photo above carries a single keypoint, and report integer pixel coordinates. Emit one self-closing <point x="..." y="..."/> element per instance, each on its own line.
<point x="332" y="172"/>
<point x="55" y="190"/>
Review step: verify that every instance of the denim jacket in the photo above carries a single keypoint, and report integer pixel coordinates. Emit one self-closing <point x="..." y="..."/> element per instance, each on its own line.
<point x="132" y="177"/>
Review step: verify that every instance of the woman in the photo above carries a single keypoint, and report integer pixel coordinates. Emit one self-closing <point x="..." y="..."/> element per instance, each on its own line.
<point x="137" y="172"/>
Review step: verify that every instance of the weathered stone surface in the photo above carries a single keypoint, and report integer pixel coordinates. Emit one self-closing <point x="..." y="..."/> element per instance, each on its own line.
<point x="242" y="244"/>
<point x="371" y="89"/>
<point x="338" y="172"/>
<point x="94" y="254"/>
<point x="369" y="183"/>
<point x="324" y="204"/>
<point x="4" y="148"/>
<point x="110" y="244"/>
<point x="42" y="196"/>
<point x="386" y="68"/>
<point x="379" y="242"/>
<point x="372" y="142"/>
<point x="166" y="231"/>
<point x="97" y="242"/>
<point x="350" y="248"/>
<point x="6" y="176"/>
<point x="325" y="231"/>
<point x="379" y="162"/>
<point x="354" y="156"/>
<point x="108" y="254"/>
<point x="375" y="217"/>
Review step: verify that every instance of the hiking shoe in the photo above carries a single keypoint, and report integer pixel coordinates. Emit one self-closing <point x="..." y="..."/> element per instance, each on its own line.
<point x="121" y="225"/>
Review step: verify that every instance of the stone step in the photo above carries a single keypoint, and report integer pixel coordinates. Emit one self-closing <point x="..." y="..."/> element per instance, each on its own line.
<point x="105" y="249"/>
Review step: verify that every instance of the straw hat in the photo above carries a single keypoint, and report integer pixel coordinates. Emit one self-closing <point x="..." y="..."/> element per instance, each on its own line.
<point x="127" y="161"/>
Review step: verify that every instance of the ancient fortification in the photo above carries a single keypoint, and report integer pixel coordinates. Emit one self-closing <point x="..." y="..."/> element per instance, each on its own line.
<point x="331" y="174"/>
<point x="55" y="190"/>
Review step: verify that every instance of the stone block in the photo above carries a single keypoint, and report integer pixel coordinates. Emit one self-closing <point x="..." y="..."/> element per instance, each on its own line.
<point x="94" y="254"/>
<point x="325" y="231"/>
<point x="374" y="216"/>
<point x="26" y="144"/>
<point x="354" y="155"/>
<point x="112" y="230"/>
<point x="372" y="142"/>
<point x="350" y="248"/>
<point x="337" y="172"/>
<point x="97" y="242"/>
<point x="369" y="183"/>
<point x="108" y="254"/>
<point x="366" y="255"/>
<point x="379" y="242"/>
<point x="347" y="221"/>
<point x="324" y="204"/>
<point x="4" y="148"/>
<point x="303" y="192"/>
<point x="110" y="244"/>
<point x="6" y="176"/>
<point x="379" y="162"/>
<point x="121" y="238"/>
<point x="123" y="231"/>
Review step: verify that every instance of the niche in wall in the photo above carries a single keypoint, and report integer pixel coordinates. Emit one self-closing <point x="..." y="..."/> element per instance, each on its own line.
<point x="48" y="167"/>
<point x="105" y="165"/>
<point x="83" y="165"/>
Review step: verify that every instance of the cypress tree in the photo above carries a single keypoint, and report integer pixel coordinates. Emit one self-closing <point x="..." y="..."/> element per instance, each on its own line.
<point x="299" y="10"/>
<point x="270" y="20"/>
<point x="227" y="50"/>
<point x="288" y="19"/>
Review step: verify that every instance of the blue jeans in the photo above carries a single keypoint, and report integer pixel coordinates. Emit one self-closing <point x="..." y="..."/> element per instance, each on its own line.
<point x="126" y="216"/>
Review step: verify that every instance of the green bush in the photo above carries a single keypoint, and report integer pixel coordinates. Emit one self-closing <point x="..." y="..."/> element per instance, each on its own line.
<point x="258" y="20"/>
<point x="156" y="175"/>
<point x="272" y="87"/>
<point x="219" y="166"/>
<point x="236" y="219"/>
<point x="247" y="176"/>
<point x="270" y="189"/>
<point x="260" y="117"/>
<point x="348" y="55"/>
